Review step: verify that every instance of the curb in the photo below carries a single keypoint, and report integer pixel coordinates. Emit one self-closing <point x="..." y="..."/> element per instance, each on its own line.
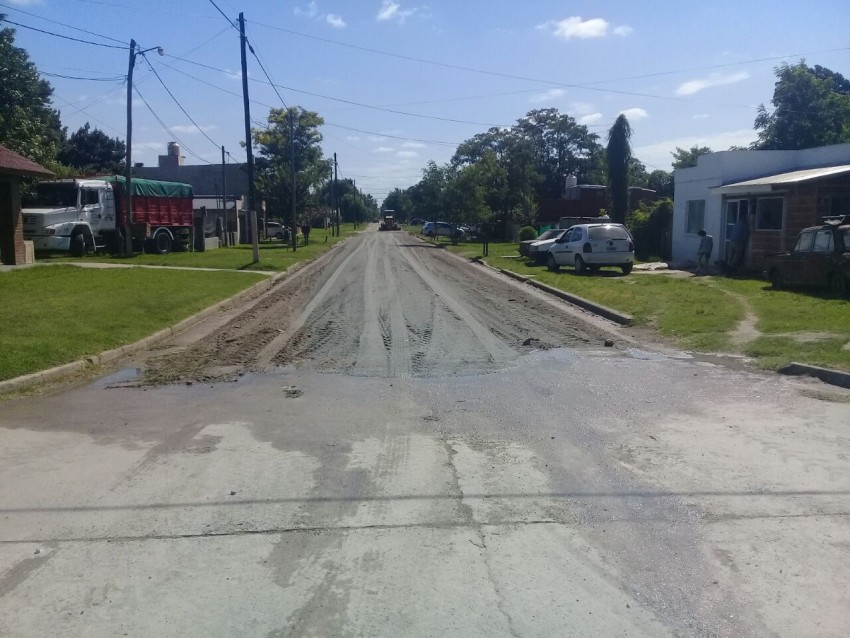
<point x="109" y="356"/>
<point x="603" y="311"/>
<point x="833" y="377"/>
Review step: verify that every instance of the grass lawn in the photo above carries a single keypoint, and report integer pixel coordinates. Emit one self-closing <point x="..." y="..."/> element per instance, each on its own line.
<point x="274" y="255"/>
<point x="700" y="313"/>
<point x="55" y="314"/>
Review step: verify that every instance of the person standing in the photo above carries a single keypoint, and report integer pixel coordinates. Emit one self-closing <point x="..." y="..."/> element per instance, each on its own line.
<point x="738" y="239"/>
<point x="305" y="230"/>
<point x="485" y="238"/>
<point x="706" y="246"/>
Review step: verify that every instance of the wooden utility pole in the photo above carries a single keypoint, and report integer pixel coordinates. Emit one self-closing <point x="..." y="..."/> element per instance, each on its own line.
<point x="292" y="162"/>
<point x="127" y="248"/>
<point x="337" y="196"/>
<point x="252" y="210"/>
<point x="223" y="198"/>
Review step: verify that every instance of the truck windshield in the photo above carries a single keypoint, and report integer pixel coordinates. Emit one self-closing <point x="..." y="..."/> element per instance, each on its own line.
<point x="51" y="196"/>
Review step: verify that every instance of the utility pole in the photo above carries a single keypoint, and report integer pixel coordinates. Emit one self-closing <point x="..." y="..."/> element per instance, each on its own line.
<point x="292" y="163"/>
<point x="337" y="199"/>
<point x="252" y="210"/>
<point x="223" y="197"/>
<point x="127" y="248"/>
<point x="356" y="207"/>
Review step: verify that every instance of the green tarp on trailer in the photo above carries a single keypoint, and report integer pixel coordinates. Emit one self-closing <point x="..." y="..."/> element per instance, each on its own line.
<point x="154" y="188"/>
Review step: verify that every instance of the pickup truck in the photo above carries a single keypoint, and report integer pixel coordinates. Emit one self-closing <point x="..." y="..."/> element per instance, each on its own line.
<point x="820" y="258"/>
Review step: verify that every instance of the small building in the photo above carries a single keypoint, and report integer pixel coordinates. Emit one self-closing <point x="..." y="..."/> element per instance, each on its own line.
<point x="13" y="167"/>
<point x="778" y="193"/>
<point x="583" y="201"/>
<point x="208" y="184"/>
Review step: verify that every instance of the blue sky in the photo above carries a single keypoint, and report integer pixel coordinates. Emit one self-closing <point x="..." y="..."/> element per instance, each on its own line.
<point x="684" y="72"/>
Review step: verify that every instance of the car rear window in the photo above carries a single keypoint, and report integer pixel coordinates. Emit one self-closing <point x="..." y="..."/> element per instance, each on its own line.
<point x="608" y="232"/>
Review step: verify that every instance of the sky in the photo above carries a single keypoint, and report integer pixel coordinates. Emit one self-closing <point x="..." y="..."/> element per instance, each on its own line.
<point x="402" y="82"/>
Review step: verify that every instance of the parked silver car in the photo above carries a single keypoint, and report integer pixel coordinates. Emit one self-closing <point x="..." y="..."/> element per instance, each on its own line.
<point x="539" y="250"/>
<point x="590" y="246"/>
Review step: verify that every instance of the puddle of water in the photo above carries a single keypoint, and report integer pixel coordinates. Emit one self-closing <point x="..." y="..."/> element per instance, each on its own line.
<point x="634" y="353"/>
<point x="124" y="375"/>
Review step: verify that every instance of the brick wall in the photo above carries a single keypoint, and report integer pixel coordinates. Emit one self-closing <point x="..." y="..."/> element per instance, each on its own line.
<point x="12" y="247"/>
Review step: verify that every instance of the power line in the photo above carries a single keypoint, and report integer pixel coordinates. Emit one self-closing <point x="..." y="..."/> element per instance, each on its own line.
<point x="117" y="78"/>
<point x="62" y="24"/>
<point x="64" y="37"/>
<point x="168" y="130"/>
<point x="224" y="15"/>
<point x="180" y="106"/>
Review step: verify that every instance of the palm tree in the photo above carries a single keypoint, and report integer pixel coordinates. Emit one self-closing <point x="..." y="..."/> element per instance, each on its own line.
<point x="619" y="153"/>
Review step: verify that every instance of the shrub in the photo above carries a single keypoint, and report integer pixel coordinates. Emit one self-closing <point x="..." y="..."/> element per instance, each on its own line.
<point x="651" y="228"/>
<point x="526" y="233"/>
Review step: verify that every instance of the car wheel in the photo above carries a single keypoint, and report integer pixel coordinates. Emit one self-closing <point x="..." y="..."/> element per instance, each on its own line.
<point x="278" y="235"/>
<point x="551" y="264"/>
<point x="580" y="266"/>
<point x="626" y="268"/>
<point x="838" y="284"/>
<point x="776" y="279"/>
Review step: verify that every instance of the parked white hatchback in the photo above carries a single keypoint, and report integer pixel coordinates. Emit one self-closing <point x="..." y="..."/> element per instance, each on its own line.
<point x="587" y="247"/>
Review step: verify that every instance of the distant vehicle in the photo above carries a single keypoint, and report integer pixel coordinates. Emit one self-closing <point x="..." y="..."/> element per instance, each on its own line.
<point x="388" y="222"/>
<point x="541" y="244"/>
<point x="591" y="246"/>
<point x="84" y="215"/>
<point x="821" y="258"/>
<point x="416" y="221"/>
<point x="442" y="229"/>
<point x="276" y="230"/>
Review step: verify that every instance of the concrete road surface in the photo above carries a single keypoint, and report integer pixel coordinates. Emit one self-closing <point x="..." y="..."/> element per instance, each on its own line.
<point x="395" y="443"/>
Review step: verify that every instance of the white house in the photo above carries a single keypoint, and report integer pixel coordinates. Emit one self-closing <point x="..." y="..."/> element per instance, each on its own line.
<point x="779" y="192"/>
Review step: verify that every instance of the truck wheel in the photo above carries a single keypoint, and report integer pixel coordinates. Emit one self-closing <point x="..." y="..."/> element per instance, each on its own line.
<point x="776" y="279"/>
<point x="162" y="243"/>
<point x="838" y="284"/>
<point x="78" y="244"/>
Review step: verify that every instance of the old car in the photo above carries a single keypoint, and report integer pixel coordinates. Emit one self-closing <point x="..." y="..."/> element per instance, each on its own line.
<point x="588" y="247"/>
<point x="820" y="258"/>
<point x="525" y="245"/>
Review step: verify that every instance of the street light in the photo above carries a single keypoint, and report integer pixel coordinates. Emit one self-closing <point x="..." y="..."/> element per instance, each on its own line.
<point x="128" y="178"/>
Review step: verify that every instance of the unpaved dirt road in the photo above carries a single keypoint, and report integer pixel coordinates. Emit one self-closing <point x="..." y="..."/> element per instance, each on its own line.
<point x="385" y="305"/>
<point x="383" y="456"/>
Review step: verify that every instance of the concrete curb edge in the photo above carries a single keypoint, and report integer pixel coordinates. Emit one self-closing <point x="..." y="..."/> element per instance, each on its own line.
<point x="603" y="311"/>
<point x="832" y="377"/>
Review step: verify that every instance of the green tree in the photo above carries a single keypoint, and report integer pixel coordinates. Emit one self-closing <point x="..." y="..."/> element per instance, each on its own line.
<point x="619" y="155"/>
<point x="274" y="168"/>
<point x="28" y="123"/>
<point x="811" y="108"/>
<point x="685" y="158"/>
<point x="93" y="151"/>
<point x="661" y="182"/>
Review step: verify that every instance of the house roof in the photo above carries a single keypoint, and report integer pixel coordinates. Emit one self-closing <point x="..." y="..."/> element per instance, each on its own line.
<point x="771" y="183"/>
<point x="13" y="164"/>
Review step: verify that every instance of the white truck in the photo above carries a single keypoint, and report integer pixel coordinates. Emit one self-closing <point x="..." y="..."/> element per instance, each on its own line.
<point x="81" y="215"/>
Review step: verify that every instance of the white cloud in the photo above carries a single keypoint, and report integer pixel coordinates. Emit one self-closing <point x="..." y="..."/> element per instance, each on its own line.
<point x="191" y="129"/>
<point x="659" y="155"/>
<point x="335" y="21"/>
<point x="391" y="10"/>
<point x="590" y="118"/>
<point x="413" y="145"/>
<point x="376" y="138"/>
<point x="547" y="96"/>
<point x="383" y="149"/>
<point x="700" y="116"/>
<point x="575" y="27"/>
<point x="310" y="11"/>
<point x="352" y="138"/>
<point x="407" y="154"/>
<point x="635" y="113"/>
<point x="714" y="79"/>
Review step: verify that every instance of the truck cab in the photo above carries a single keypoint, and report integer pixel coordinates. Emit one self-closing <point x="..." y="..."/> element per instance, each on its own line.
<point x="69" y="215"/>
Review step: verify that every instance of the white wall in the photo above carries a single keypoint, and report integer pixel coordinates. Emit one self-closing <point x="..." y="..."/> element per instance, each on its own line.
<point x="725" y="167"/>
